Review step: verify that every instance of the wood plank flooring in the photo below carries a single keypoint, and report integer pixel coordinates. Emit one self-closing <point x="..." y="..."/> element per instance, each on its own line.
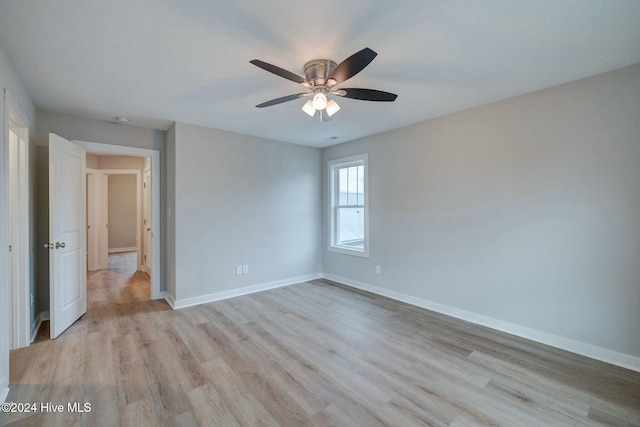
<point x="313" y="354"/>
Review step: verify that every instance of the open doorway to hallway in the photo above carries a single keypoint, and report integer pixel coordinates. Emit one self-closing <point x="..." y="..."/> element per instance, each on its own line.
<point x="146" y="162"/>
<point x="119" y="217"/>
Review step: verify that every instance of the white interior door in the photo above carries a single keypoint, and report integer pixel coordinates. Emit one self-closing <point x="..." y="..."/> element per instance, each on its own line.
<point x="67" y="228"/>
<point x="146" y="221"/>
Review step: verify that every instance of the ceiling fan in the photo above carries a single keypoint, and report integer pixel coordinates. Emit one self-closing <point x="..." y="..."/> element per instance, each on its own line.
<point x="322" y="77"/>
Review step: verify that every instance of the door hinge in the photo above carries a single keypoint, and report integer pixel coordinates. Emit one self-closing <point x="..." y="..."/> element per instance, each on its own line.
<point x="9" y="248"/>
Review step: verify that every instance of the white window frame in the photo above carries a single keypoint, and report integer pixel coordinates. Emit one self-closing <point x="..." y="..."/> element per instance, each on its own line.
<point x="333" y="194"/>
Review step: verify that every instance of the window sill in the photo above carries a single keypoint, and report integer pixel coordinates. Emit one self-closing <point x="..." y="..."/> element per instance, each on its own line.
<point x="364" y="253"/>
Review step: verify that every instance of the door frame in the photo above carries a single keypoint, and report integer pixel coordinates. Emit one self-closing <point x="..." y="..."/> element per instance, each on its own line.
<point x="146" y="214"/>
<point x="154" y="155"/>
<point x="93" y="219"/>
<point x="7" y="104"/>
<point x="18" y="222"/>
<point x="104" y="205"/>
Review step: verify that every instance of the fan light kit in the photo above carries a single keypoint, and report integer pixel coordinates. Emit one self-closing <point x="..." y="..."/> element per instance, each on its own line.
<point x="321" y="78"/>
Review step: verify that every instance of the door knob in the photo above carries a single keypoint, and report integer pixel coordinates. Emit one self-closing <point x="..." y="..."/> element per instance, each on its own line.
<point x="48" y="246"/>
<point x="60" y="245"/>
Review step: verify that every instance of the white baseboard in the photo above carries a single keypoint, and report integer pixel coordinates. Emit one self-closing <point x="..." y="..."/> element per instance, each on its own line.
<point x="3" y="394"/>
<point x="169" y="299"/>
<point x="583" y="349"/>
<point x="188" y="302"/>
<point x="116" y="250"/>
<point x="36" y="326"/>
<point x="40" y="317"/>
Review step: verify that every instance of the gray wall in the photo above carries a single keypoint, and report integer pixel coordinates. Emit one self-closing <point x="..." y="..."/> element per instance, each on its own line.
<point x="42" y="229"/>
<point x="525" y="210"/>
<point x="243" y="200"/>
<point x="122" y="211"/>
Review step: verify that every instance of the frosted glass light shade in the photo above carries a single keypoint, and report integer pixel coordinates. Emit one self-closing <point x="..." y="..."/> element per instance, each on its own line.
<point x="309" y="108"/>
<point x="332" y="107"/>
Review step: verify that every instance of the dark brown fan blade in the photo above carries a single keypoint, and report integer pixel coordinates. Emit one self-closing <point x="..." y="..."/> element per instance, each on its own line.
<point x="280" y="72"/>
<point x="367" y="94"/>
<point x="282" y="99"/>
<point x="351" y="66"/>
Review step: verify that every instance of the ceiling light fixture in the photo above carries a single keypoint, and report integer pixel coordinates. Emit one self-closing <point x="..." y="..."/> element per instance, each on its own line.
<point x="319" y="101"/>
<point x="321" y="76"/>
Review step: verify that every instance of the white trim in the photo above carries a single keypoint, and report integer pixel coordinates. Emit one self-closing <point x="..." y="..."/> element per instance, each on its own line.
<point x="101" y="205"/>
<point x="583" y="349"/>
<point x="40" y="317"/>
<point x="5" y="293"/>
<point x="93" y="219"/>
<point x="156" y="236"/>
<point x="146" y="215"/>
<point x="169" y="299"/>
<point x="19" y="222"/>
<point x="117" y="250"/>
<point x="333" y="194"/>
<point x="188" y="302"/>
<point x="35" y="329"/>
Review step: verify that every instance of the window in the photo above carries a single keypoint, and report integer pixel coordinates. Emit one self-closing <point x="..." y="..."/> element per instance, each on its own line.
<point x="348" y="204"/>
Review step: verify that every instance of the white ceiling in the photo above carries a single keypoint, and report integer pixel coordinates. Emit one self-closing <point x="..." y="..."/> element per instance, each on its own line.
<point x="159" y="61"/>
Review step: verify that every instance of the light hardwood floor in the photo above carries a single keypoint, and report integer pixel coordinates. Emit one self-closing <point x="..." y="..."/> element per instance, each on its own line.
<point x="313" y="354"/>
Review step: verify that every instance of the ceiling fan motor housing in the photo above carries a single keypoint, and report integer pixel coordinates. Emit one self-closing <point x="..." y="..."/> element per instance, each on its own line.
<point x="317" y="71"/>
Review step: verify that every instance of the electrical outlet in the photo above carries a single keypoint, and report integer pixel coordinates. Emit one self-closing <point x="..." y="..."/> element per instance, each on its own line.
<point x="238" y="269"/>
<point x="378" y="269"/>
<point x="245" y="269"/>
<point x="32" y="299"/>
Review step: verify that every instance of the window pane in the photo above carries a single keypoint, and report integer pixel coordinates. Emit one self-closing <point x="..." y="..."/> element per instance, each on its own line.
<point x="361" y="185"/>
<point x="353" y="185"/>
<point x="342" y="186"/>
<point x="350" y="186"/>
<point x="351" y="227"/>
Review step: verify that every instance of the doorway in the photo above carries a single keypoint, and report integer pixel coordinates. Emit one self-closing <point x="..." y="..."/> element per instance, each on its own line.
<point x="152" y="169"/>
<point x="63" y="197"/>
<point x="115" y="209"/>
